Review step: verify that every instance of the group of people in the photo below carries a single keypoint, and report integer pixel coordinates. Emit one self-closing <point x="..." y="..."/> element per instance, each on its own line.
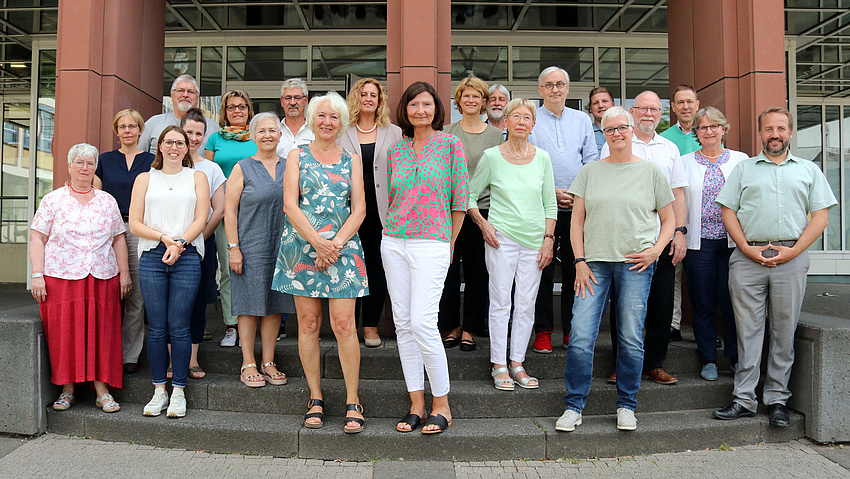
<point x="336" y="202"/>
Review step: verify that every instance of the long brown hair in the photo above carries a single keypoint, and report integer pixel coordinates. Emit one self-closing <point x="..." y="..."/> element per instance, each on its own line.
<point x="187" y="159"/>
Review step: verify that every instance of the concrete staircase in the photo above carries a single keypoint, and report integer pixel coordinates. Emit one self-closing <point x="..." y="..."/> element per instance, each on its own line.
<point x="226" y="416"/>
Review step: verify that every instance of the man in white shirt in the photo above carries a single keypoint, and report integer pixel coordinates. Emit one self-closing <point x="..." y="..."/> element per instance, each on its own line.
<point x="649" y="145"/>
<point x="184" y="96"/>
<point x="293" y="99"/>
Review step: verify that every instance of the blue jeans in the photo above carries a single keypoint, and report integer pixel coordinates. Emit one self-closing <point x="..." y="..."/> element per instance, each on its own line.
<point x="630" y="295"/>
<point x="169" y="294"/>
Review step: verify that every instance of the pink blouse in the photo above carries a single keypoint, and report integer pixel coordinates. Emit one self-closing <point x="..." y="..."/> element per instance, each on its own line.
<point x="79" y="237"/>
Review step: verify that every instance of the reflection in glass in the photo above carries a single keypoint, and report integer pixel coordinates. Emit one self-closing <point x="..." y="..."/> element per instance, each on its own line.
<point x="178" y="61"/>
<point x="810" y="144"/>
<point x="15" y="173"/>
<point x="566" y="17"/>
<point x="266" y="63"/>
<point x="487" y="63"/>
<point x="483" y="16"/>
<point x="334" y="62"/>
<point x="347" y="16"/>
<point x="528" y="62"/>
<point x="832" y="169"/>
<point x="609" y="71"/>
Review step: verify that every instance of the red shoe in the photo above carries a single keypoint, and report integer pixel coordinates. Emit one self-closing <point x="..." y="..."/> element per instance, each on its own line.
<point x="566" y="341"/>
<point x="542" y="342"/>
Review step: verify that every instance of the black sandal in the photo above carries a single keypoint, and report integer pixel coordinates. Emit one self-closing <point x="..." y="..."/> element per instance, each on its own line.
<point x="467" y="345"/>
<point x="450" y="341"/>
<point x="321" y="415"/>
<point x="438" y="420"/>
<point x="411" y="420"/>
<point x="348" y="419"/>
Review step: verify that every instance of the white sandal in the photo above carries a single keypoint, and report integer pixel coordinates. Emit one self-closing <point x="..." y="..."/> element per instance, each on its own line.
<point x="64" y="402"/>
<point x="524" y="383"/>
<point x="107" y="403"/>
<point x="502" y="384"/>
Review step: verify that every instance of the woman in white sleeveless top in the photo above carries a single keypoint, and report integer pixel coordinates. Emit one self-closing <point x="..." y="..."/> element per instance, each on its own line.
<point x="168" y="211"/>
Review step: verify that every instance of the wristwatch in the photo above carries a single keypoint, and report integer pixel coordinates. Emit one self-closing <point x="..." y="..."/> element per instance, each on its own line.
<point x="578" y="260"/>
<point x="683" y="229"/>
<point x="232" y="245"/>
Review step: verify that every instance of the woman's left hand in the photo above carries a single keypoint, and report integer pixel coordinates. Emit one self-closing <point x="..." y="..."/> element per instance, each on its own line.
<point x="544" y="257"/>
<point x="643" y="259"/>
<point x="172" y="253"/>
<point x="126" y="283"/>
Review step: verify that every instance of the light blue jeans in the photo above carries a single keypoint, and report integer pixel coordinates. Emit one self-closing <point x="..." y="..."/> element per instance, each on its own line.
<point x="630" y="295"/>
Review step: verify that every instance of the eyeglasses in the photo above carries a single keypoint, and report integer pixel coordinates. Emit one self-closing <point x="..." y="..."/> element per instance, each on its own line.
<point x="644" y="109"/>
<point x="128" y="127"/>
<point x="81" y="163"/>
<point x="549" y="85"/>
<point x="289" y="98"/>
<point x="518" y="117"/>
<point x="241" y="107"/>
<point x="622" y="129"/>
<point x="177" y="143"/>
<point x="183" y="91"/>
<point x="703" y="129"/>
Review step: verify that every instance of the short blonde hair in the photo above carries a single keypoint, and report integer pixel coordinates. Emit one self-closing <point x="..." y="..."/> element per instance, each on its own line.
<point x="518" y="102"/>
<point x="476" y="84"/>
<point x="382" y="114"/>
<point x="136" y="116"/>
<point x="616" y="111"/>
<point x="714" y="115"/>
<point x="338" y="106"/>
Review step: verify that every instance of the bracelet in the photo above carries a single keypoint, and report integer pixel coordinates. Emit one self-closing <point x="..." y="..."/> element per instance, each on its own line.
<point x="549" y="235"/>
<point x="37" y="275"/>
<point x="579" y="260"/>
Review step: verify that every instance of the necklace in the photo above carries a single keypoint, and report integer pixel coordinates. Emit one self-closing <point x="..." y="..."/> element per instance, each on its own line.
<point x="711" y="157"/>
<point x="367" y="131"/>
<point x="512" y="153"/>
<point x="80" y="192"/>
<point x="176" y="179"/>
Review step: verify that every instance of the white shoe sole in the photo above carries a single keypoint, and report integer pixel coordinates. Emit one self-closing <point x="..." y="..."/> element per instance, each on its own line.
<point x="626" y="428"/>
<point x="568" y="429"/>
<point x="153" y="412"/>
<point x="175" y="414"/>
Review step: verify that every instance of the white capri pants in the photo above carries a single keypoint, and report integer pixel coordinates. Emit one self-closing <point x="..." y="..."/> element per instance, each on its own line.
<point x="416" y="271"/>
<point x="511" y="262"/>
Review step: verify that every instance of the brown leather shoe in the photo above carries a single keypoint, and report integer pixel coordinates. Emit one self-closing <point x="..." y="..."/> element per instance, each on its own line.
<point x="660" y="376"/>
<point x="612" y="379"/>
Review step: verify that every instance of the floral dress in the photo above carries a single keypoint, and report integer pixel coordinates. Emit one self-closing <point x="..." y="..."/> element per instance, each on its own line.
<point x="325" y="199"/>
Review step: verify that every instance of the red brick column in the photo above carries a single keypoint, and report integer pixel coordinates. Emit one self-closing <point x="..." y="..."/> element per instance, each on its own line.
<point x="733" y="52"/>
<point x="109" y="57"/>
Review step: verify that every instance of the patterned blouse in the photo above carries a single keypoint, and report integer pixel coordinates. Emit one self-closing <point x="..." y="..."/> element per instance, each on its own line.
<point x="710" y="222"/>
<point x="424" y="190"/>
<point x="79" y="237"/>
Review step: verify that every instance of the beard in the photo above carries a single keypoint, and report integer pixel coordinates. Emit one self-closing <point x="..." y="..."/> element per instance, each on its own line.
<point x="184" y="105"/>
<point x="293" y="111"/>
<point x="647" y="128"/>
<point x="775" y="151"/>
<point x="496" y="114"/>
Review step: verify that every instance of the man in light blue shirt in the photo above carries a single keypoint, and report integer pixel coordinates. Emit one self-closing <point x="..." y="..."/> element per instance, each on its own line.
<point x="567" y="135"/>
<point x="600" y="100"/>
<point x="774" y="207"/>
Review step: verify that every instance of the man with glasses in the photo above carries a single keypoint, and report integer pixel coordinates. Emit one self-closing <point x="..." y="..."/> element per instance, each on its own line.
<point x="499" y="98"/>
<point x="567" y="136"/>
<point x="293" y="99"/>
<point x="649" y="145"/>
<point x="184" y="96"/>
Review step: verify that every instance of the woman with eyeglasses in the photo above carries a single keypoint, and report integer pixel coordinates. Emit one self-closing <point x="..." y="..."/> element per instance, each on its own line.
<point x="116" y="172"/>
<point x="709" y="248"/>
<point x="519" y="234"/>
<point x="168" y="212"/>
<point x="226" y="147"/>
<point x="614" y="237"/>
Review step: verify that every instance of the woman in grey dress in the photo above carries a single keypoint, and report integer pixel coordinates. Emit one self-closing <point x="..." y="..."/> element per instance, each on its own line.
<point x="253" y="222"/>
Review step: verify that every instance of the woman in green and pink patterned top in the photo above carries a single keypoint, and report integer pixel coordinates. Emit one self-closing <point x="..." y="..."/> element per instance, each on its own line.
<point x="427" y="203"/>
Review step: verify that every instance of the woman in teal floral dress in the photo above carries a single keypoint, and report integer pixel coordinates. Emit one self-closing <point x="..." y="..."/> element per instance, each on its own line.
<point x="320" y="253"/>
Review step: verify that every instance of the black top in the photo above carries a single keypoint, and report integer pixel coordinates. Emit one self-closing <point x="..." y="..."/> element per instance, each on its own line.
<point x="368" y="156"/>
<point x="117" y="181"/>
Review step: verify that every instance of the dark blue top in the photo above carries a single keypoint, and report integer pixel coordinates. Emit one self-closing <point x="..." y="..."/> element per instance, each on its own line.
<point x="117" y="181"/>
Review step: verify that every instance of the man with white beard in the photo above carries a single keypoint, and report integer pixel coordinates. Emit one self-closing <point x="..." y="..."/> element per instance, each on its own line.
<point x="184" y="95"/>
<point x="499" y="98"/>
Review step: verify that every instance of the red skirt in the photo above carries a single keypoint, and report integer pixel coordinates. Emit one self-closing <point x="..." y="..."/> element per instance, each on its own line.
<point x="82" y="324"/>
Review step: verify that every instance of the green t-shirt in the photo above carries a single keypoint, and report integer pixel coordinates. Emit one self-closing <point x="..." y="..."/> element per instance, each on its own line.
<point x="226" y="153"/>
<point x="621" y="202"/>
<point x="521" y="196"/>
<point x="686" y="142"/>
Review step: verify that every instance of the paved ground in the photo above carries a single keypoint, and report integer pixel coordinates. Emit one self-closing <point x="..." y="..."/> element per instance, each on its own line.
<point x="61" y="456"/>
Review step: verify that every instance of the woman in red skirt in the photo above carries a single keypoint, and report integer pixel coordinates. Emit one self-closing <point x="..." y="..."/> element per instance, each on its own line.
<point x="80" y="274"/>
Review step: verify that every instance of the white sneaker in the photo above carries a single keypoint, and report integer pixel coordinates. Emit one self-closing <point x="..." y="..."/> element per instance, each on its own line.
<point x="626" y="419"/>
<point x="177" y="408"/>
<point x="568" y="421"/>
<point x="157" y="403"/>
<point x="229" y="339"/>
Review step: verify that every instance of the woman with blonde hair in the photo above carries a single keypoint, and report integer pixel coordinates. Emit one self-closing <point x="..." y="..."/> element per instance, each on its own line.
<point x="370" y="135"/>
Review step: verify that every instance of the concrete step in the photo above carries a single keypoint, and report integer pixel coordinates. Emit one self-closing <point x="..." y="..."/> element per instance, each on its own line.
<point x="469" y="398"/>
<point x="465" y="440"/>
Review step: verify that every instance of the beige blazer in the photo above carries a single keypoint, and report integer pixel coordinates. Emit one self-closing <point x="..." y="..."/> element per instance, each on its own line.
<point x="387" y="137"/>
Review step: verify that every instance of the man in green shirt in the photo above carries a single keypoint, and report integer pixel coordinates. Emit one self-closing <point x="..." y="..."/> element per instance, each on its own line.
<point x="766" y="204"/>
<point x="685" y="105"/>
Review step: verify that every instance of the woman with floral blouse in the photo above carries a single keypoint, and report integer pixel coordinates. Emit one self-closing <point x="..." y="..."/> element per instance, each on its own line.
<point x="428" y="197"/>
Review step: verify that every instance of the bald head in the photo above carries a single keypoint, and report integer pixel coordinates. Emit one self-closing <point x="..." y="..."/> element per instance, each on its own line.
<point x="647" y="112"/>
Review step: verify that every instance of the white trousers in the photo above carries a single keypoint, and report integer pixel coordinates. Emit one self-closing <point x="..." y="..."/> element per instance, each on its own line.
<point x="416" y="271"/>
<point x="510" y="263"/>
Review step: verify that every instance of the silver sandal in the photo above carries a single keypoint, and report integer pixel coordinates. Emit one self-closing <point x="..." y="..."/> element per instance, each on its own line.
<point x="524" y="383"/>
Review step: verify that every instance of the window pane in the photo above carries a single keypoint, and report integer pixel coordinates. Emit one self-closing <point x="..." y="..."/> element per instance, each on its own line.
<point x="647" y="69"/>
<point x="211" y="61"/>
<point x="266" y="63"/>
<point x="334" y="62"/>
<point x="483" y="16"/>
<point x="44" y="127"/>
<point x="609" y="71"/>
<point x="15" y="177"/>
<point x="832" y="169"/>
<point x="178" y="61"/>
<point x="566" y="18"/>
<point x="252" y="17"/>
<point x="809" y="144"/>
<point x="347" y="16"/>
<point x="487" y="63"/>
<point x="530" y="61"/>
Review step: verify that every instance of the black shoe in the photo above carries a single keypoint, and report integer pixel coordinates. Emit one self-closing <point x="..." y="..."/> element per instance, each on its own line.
<point x="719" y="344"/>
<point x="733" y="411"/>
<point x="467" y="345"/>
<point x="450" y="342"/>
<point x="131" y="368"/>
<point x="675" y="335"/>
<point x="777" y="415"/>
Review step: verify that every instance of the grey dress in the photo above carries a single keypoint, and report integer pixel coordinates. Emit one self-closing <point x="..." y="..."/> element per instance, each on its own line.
<point x="260" y="227"/>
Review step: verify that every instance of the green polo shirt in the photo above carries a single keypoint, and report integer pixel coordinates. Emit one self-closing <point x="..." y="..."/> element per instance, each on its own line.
<point x="686" y="142"/>
<point x="773" y="201"/>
